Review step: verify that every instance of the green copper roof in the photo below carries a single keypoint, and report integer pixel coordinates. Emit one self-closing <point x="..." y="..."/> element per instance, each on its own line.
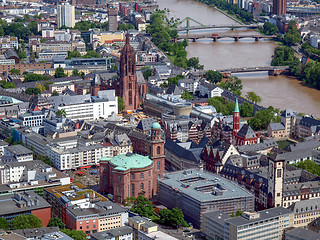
<point x="128" y="161"/>
<point x="156" y="125"/>
<point x="236" y="107"/>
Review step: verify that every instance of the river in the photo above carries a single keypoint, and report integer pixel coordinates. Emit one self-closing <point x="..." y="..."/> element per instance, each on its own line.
<point x="281" y="91"/>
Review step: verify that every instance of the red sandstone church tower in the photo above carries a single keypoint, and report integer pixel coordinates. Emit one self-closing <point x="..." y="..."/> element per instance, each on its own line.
<point x="236" y="119"/>
<point x="128" y="86"/>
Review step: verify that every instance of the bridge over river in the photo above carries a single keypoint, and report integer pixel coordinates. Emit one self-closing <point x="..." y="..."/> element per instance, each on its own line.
<point x="215" y="37"/>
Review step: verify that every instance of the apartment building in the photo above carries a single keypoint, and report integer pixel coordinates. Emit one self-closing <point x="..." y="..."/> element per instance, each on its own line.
<point x="87" y="107"/>
<point x="19" y="153"/>
<point x="32" y="174"/>
<point x="84" y="209"/>
<point x="121" y="233"/>
<point x="33" y="119"/>
<point x="8" y="42"/>
<point x="65" y="15"/>
<point x="267" y="224"/>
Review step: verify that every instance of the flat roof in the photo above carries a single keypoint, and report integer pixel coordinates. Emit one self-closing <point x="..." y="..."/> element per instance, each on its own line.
<point x="264" y="214"/>
<point x="303" y="234"/>
<point x="19" y="149"/>
<point x="9" y="203"/>
<point x="203" y="186"/>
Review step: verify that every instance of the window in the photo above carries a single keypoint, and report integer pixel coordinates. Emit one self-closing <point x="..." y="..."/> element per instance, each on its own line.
<point x="158" y="150"/>
<point x="142" y="186"/>
<point x="141" y="176"/>
<point x="80" y="227"/>
<point x="149" y="187"/>
<point x="158" y="165"/>
<point x="279" y="173"/>
<point x="132" y="190"/>
<point x="119" y="178"/>
<point x="132" y="176"/>
<point x="149" y="174"/>
<point x="128" y="191"/>
<point x="119" y="189"/>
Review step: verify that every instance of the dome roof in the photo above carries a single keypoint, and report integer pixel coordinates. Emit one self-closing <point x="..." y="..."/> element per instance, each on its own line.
<point x="155" y="125"/>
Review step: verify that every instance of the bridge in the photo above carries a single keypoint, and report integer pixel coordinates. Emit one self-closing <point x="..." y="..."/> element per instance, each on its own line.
<point x="215" y="37"/>
<point x="200" y="25"/>
<point x="252" y="26"/>
<point x="272" y="70"/>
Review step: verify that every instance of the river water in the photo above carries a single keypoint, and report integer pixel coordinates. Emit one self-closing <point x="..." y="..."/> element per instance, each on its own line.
<point x="281" y="91"/>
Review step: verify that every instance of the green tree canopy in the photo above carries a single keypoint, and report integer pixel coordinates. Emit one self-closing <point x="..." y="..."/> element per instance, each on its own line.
<point x="74" y="54"/>
<point x="15" y="71"/>
<point x="7" y="85"/>
<point x="59" y="73"/>
<point x="76" y="235"/>
<point x="143" y="207"/>
<point x="33" y="91"/>
<point x="147" y="73"/>
<point x="26" y="221"/>
<point x="270" y="28"/>
<point x="246" y="110"/>
<point x="172" y="217"/>
<point x="186" y="95"/>
<point x="194" y="63"/>
<point x="263" y="118"/>
<point x="253" y="97"/>
<point x="61" y="113"/>
<point x="233" y="84"/>
<point x="214" y="76"/>
<point x="32" y="77"/>
<point x="121" y="105"/>
<point x="56" y="222"/>
<point x="4" y="224"/>
<point x="309" y="166"/>
<point x="292" y="36"/>
<point x="125" y="27"/>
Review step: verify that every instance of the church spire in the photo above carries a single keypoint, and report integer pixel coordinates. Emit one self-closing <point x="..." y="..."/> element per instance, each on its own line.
<point x="127" y="37"/>
<point x="236" y="107"/>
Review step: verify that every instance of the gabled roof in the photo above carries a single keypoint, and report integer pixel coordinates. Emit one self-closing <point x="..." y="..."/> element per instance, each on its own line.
<point x="277" y="126"/>
<point x="287" y="113"/>
<point x="145" y="124"/>
<point x="246" y="132"/>
<point x="309" y="122"/>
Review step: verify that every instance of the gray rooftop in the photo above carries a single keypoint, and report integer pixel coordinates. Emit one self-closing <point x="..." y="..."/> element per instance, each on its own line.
<point x="303" y="234"/>
<point x="19" y="150"/>
<point x="9" y="203"/>
<point x="113" y="233"/>
<point x="203" y="186"/>
<point x="264" y="214"/>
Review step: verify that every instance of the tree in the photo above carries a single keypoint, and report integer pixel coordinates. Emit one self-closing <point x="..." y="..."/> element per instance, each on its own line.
<point x="33" y="91"/>
<point x="59" y="73"/>
<point x="121" y="105"/>
<point x="125" y="27"/>
<point x="251" y="96"/>
<point x="76" y="235"/>
<point x="40" y="86"/>
<point x="92" y="54"/>
<point x="4" y="224"/>
<point x="270" y="28"/>
<point x="61" y="113"/>
<point x="186" y="95"/>
<point x="56" y="222"/>
<point x="33" y="77"/>
<point x="246" y="110"/>
<point x="222" y="105"/>
<point x="309" y="166"/>
<point x="55" y="93"/>
<point x="214" y="76"/>
<point x="174" y="80"/>
<point x="263" y="118"/>
<point x="142" y="206"/>
<point x="233" y="84"/>
<point x="172" y="217"/>
<point x="7" y="85"/>
<point x="26" y="221"/>
<point x="15" y="71"/>
<point x="292" y="35"/>
<point x="74" y="54"/>
<point x="193" y="62"/>
<point x="147" y="73"/>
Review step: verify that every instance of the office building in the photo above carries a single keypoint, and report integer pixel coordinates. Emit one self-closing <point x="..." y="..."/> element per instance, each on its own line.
<point x="267" y="224"/>
<point x="112" y="19"/>
<point x="197" y="192"/>
<point x="65" y="15"/>
<point x="84" y="209"/>
<point x="19" y="153"/>
<point x="25" y="203"/>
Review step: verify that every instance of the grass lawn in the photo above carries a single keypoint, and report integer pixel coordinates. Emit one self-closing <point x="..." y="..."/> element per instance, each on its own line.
<point x="283" y="144"/>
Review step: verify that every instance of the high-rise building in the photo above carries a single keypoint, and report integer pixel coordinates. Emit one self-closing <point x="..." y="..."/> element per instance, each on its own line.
<point x="65" y="15"/>
<point x="279" y="7"/>
<point x="112" y="18"/>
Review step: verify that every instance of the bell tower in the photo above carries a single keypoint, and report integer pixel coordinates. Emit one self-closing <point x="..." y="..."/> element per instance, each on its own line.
<point x="275" y="179"/>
